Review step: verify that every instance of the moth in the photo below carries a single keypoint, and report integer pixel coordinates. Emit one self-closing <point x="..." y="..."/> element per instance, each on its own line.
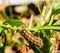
<point x="33" y="39"/>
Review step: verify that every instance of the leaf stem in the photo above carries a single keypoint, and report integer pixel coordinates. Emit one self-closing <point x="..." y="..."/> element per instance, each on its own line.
<point x="33" y="29"/>
<point x="44" y="28"/>
<point x="52" y="18"/>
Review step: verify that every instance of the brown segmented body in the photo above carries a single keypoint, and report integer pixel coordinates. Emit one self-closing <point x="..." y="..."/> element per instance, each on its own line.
<point x="28" y="36"/>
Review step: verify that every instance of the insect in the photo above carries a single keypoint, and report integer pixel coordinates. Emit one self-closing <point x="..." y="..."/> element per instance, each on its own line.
<point x="28" y="36"/>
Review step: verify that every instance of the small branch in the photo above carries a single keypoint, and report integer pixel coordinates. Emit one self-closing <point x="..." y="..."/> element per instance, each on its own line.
<point x="44" y="28"/>
<point x="33" y="29"/>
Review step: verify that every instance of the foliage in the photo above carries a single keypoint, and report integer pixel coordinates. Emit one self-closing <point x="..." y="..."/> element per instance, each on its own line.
<point x="44" y="30"/>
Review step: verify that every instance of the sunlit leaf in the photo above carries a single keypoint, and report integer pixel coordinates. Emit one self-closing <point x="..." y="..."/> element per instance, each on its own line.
<point x="14" y="22"/>
<point x="1" y="29"/>
<point x="56" y="8"/>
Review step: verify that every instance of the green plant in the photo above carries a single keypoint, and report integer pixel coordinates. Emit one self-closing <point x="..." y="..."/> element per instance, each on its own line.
<point x="14" y="25"/>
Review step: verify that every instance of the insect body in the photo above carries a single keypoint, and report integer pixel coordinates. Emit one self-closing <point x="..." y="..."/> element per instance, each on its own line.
<point x="28" y="36"/>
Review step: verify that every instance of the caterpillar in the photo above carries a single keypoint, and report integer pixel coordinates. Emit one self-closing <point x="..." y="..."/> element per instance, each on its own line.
<point x="28" y="36"/>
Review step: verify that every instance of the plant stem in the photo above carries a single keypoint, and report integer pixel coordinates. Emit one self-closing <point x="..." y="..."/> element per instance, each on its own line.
<point x="33" y="29"/>
<point x="9" y="27"/>
<point x="39" y="8"/>
<point x="44" y="28"/>
<point x="52" y="18"/>
<point x="10" y="9"/>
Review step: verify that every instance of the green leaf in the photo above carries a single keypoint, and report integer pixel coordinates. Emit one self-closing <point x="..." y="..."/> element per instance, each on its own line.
<point x="47" y="43"/>
<point x="38" y="50"/>
<point x="1" y="29"/>
<point x="56" y="8"/>
<point x="14" y="22"/>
